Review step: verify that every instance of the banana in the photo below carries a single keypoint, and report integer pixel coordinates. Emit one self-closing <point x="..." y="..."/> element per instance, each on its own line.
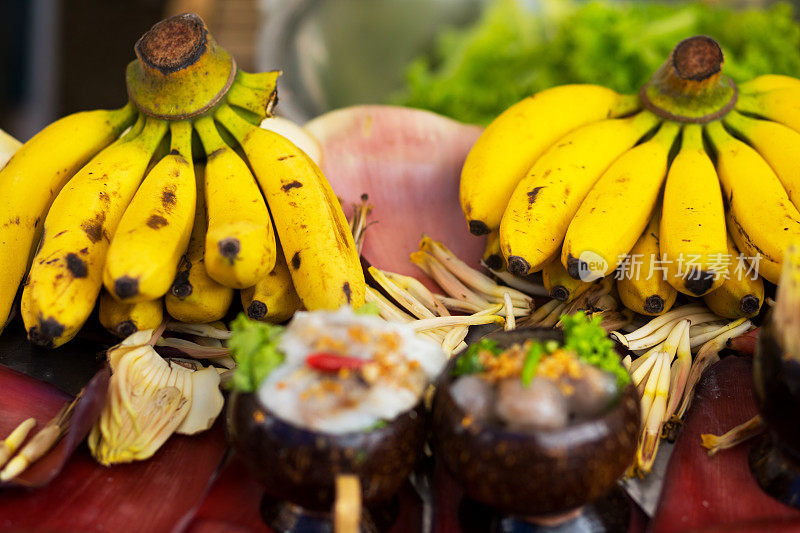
<point x="194" y="296"/>
<point x="739" y="295"/>
<point x="123" y="319"/>
<point x="777" y="144"/>
<point x="761" y="217"/>
<point x="154" y="231"/>
<point x="642" y="284"/>
<point x="616" y="210"/>
<point x="765" y="266"/>
<point x="240" y="243"/>
<point x="511" y="144"/>
<point x="255" y="93"/>
<point x="560" y="285"/>
<point x="768" y="82"/>
<point x="492" y="256"/>
<point x="65" y="276"/>
<point x="780" y="105"/>
<point x="692" y="233"/>
<point x="32" y="178"/>
<point x="273" y="299"/>
<point x="309" y="221"/>
<point x="545" y="201"/>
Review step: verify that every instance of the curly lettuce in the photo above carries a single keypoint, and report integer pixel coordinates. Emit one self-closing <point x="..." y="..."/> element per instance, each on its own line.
<point x="511" y="52"/>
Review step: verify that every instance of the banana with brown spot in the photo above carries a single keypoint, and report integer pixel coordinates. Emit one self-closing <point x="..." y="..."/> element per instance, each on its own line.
<point x="641" y="282"/>
<point x="194" y="296"/>
<point x="309" y="221"/>
<point x="512" y="143"/>
<point x="31" y="179"/>
<point x="559" y="284"/>
<point x="155" y="229"/>
<point x="692" y="233"/>
<point x="761" y="218"/>
<point x="66" y="274"/>
<point x="779" y="145"/>
<point x="740" y="295"/>
<point x="240" y="242"/>
<point x="273" y="299"/>
<point x="545" y="201"/>
<point x="123" y="319"/>
<point x="618" y="207"/>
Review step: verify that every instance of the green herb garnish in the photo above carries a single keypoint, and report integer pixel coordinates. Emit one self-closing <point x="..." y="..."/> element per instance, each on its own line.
<point x="532" y="359"/>
<point x="512" y="51"/>
<point x="254" y="346"/>
<point x="470" y="363"/>
<point x="584" y="337"/>
<point x="369" y="308"/>
<point x="380" y="424"/>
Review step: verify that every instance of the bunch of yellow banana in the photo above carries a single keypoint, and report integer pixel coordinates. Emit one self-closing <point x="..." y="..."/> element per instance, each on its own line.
<point x="117" y="200"/>
<point x="581" y="182"/>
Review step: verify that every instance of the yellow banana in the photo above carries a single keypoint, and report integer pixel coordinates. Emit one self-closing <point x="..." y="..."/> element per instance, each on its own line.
<point x="194" y="296"/>
<point x="32" y="178"/>
<point x="240" y="243"/>
<point x="642" y="284"/>
<point x="560" y="285"/>
<point x="616" y="211"/>
<point x="781" y="105"/>
<point x="273" y="299"/>
<point x="66" y="274"/>
<point x="545" y="201"/>
<point x="692" y="232"/>
<point x="777" y="144"/>
<point x="768" y="82"/>
<point x="762" y="219"/>
<point x="154" y="231"/>
<point x="309" y="221"/>
<point x="511" y="144"/>
<point x="492" y="255"/>
<point x="739" y="295"/>
<point x="124" y="320"/>
<point x="765" y="266"/>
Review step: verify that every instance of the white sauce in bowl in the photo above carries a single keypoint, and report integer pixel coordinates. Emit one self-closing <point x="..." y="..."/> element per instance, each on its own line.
<point x="401" y="363"/>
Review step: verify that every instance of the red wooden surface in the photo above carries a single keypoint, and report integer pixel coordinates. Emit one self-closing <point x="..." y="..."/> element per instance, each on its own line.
<point x="718" y="493"/>
<point x="146" y="496"/>
<point x="232" y="504"/>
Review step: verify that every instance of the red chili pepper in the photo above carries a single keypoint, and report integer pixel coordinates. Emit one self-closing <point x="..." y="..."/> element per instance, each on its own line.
<point x="332" y="362"/>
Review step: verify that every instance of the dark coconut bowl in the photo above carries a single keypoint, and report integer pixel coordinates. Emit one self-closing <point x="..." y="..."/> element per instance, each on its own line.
<point x="300" y="465"/>
<point x="534" y="472"/>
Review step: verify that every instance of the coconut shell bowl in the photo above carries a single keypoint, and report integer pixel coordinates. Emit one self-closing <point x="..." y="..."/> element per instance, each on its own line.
<point x="554" y="479"/>
<point x="299" y="467"/>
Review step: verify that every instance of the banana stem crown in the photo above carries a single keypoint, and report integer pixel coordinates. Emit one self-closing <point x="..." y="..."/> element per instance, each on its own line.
<point x="689" y="86"/>
<point x="180" y="71"/>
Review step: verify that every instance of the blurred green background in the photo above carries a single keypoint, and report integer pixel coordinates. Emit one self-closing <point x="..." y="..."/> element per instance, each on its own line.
<point x="468" y="59"/>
